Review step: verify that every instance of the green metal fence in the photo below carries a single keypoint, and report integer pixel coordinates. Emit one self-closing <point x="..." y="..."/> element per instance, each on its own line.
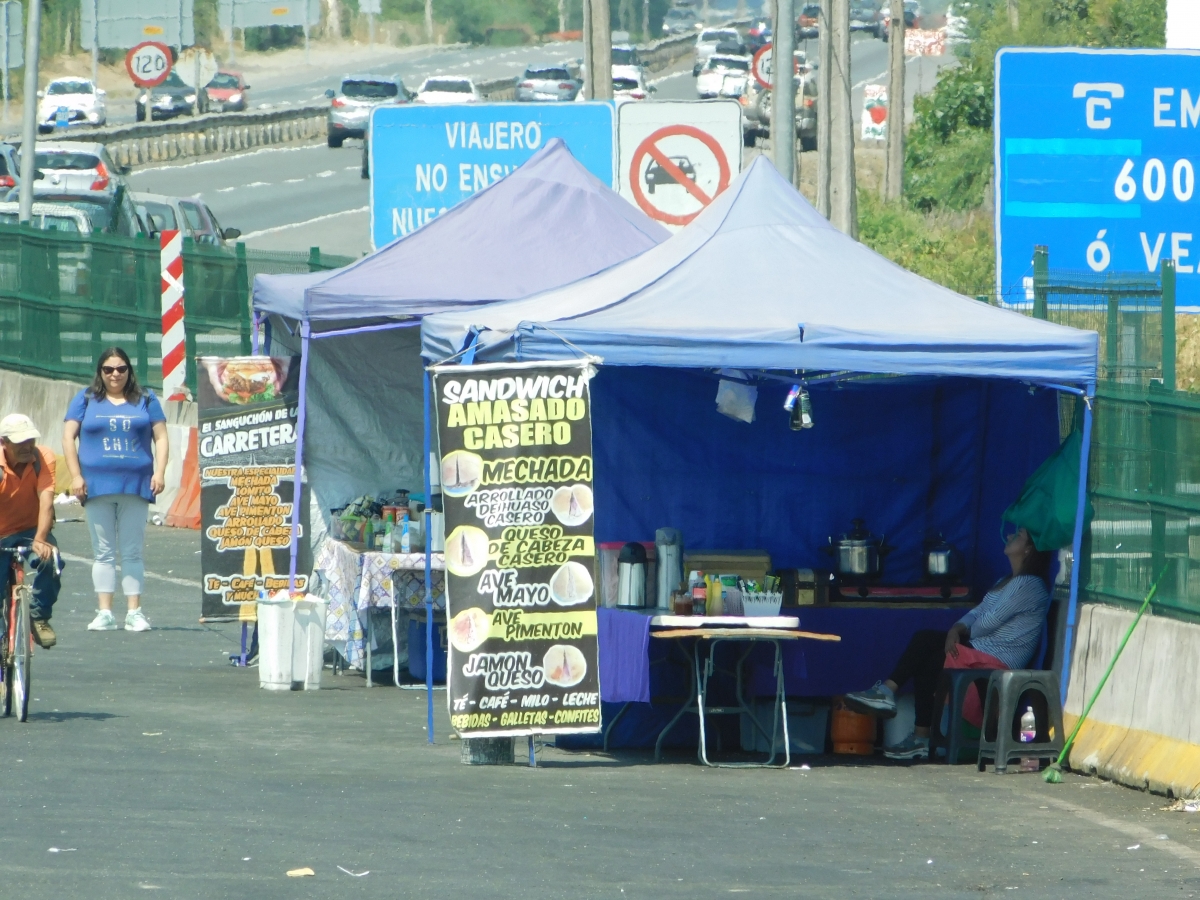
<point x="1144" y="476"/>
<point x="65" y="297"/>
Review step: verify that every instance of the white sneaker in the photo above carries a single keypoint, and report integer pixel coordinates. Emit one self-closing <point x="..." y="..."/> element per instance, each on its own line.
<point x="104" y="621"/>
<point x="135" y="620"/>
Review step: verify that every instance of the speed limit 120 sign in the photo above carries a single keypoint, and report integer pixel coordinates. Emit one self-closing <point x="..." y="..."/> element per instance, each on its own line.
<point x="148" y="64"/>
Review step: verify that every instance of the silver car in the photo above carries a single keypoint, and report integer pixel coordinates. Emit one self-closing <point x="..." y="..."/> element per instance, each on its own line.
<point x="547" y="83"/>
<point x="350" y="108"/>
<point x="69" y="166"/>
<point x="190" y="215"/>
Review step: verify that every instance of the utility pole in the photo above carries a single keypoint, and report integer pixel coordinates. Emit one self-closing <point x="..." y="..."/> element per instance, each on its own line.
<point x="429" y="21"/>
<point x="589" y="83"/>
<point x="33" y="30"/>
<point x="783" y="96"/>
<point x="825" y="67"/>
<point x="893" y="173"/>
<point x="1014" y="15"/>
<point x="601" y="70"/>
<point x="562" y="16"/>
<point x="843" y="205"/>
<point x="645" y="20"/>
<point x="95" y="42"/>
<point x="232" y="19"/>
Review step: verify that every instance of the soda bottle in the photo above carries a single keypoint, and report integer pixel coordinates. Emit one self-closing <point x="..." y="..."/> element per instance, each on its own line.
<point x="1028" y="726"/>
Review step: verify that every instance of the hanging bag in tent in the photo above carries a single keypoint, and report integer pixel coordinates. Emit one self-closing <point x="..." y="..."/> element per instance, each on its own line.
<point x="1046" y="507"/>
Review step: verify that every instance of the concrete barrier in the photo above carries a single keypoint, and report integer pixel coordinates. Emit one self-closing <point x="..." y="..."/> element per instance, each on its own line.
<point x="1144" y="730"/>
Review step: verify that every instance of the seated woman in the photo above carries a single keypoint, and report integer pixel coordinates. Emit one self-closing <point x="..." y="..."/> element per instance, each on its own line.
<point x="1002" y="632"/>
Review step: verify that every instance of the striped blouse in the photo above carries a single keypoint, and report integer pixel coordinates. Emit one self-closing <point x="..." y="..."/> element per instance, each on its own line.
<point x="1008" y="623"/>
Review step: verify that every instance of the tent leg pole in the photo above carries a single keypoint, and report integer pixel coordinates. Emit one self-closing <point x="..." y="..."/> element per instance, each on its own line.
<point x="254" y="337"/>
<point x="297" y="476"/>
<point x="1077" y="542"/>
<point x="429" y="572"/>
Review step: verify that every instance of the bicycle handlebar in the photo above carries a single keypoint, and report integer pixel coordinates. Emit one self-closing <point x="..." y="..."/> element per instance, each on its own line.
<point x="26" y="551"/>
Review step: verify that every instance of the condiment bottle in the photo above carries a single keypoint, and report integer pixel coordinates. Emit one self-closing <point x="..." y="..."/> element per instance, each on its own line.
<point x="716" y="604"/>
<point x="699" y="599"/>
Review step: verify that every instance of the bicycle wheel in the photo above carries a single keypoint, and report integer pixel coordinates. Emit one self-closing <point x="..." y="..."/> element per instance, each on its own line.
<point x="22" y="655"/>
<point x="5" y="663"/>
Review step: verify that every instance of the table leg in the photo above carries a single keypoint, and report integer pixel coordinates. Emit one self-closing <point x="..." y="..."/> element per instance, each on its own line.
<point x="370" y="633"/>
<point x="702" y="697"/>
<point x="532" y="754"/>
<point x="687" y="704"/>
<point x="395" y="649"/>
<point x="613" y="724"/>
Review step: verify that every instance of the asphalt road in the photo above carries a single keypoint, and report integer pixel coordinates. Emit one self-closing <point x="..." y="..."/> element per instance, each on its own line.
<point x="150" y="767"/>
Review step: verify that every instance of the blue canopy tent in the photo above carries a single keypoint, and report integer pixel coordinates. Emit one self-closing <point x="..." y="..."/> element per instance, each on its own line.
<point x="943" y="448"/>
<point x="547" y="224"/>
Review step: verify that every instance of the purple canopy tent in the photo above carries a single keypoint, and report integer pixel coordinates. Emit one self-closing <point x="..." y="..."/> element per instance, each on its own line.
<point x="547" y="224"/>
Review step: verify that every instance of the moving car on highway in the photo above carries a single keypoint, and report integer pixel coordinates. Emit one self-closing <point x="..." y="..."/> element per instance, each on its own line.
<point x="174" y="97"/>
<point x="808" y="22"/>
<point x="724" y="76"/>
<point x="191" y="215"/>
<point x="449" y="89"/>
<point x="680" y="20"/>
<point x="865" y="15"/>
<point x="110" y="212"/>
<point x="76" y="166"/>
<point x="228" y="92"/>
<point x="547" y="83"/>
<point x="912" y="16"/>
<point x="49" y="217"/>
<point x="10" y="166"/>
<point x="350" y="107"/>
<point x="627" y="88"/>
<point x="707" y="43"/>
<point x="756" y="111"/>
<point x="626" y="55"/>
<point x="75" y="101"/>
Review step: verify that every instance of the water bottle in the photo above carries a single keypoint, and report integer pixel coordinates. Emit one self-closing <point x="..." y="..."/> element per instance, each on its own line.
<point x="1028" y="726"/>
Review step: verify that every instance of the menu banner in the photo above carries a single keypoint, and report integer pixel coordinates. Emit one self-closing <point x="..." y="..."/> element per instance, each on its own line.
<point x="516" y="476"/>
<point x="248" y="407"/>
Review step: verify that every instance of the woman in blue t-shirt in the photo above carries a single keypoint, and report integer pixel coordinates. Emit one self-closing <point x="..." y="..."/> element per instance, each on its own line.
<point x="116" y="474"/>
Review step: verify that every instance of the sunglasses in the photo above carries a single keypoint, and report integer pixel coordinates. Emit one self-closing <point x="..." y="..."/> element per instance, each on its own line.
<point x="114" y="370"/>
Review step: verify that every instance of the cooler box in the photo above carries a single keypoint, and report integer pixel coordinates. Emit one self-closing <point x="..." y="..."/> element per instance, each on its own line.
<point x="416" y="650"/>
<point x="808" y="723"/>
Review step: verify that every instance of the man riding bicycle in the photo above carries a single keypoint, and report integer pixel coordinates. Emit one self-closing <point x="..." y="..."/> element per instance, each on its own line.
<point x="27" y="515"/>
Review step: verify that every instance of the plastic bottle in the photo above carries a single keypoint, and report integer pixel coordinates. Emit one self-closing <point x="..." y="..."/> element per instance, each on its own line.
<point x="716" y="603"/>
<point x="406" y="540"/>
<point x="1028" y="726"/>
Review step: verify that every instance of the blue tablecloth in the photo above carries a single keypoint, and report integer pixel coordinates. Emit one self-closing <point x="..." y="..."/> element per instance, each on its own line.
<point x="624" y="639"/>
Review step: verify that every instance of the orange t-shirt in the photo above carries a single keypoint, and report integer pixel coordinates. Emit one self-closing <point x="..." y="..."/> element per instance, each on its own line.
<point x="19" y="494"/>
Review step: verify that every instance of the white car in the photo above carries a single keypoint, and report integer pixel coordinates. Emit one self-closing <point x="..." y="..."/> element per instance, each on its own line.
<point x="76" y="101"/>
<point x="630" y="88"/>
<point x="710" y="38"/>
<point x="442" y="89"/>
<point x="724" y="76"/>
<point x="69" y="166"/>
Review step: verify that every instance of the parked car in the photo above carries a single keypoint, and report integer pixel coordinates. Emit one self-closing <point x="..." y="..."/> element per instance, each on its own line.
<point x="449" y="89"/>
<point x="865" y="15"/>
<point x="191" y="215"/>
<point x="350" y="106"/>
<point x="627" y="88"/>
<point x="723" y="76"/>
<point x="547" y="83"/>
<point x="109" y="212"/>
<point x="77" y="101"/>
<point x="75" y="166"/>
<point x="48" y="217"/>
<point x="680" y="20"/>
<point x="174" y="97"/>
<point x="707" y="43"/>
<point x="808" y="22"/>
<point x="228" y="92"/>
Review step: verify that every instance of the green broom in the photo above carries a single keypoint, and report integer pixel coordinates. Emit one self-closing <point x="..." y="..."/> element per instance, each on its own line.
<point x="1053" y="773"/>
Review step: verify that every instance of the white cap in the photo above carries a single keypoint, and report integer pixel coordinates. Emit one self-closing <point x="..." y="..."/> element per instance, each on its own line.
<point x="18" y="428"/>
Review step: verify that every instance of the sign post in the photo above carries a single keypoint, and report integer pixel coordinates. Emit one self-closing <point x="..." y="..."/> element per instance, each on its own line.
<point x="523" y="656"/>
<point x="674" y="158"/>
<point x="174" y="348"/>
<point x="12" y="41"/>
<point x="1096" y="159"/>
<point x="427" y="159"/>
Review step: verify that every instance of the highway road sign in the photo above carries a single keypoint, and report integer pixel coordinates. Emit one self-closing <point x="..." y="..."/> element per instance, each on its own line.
<point x="763" y="63"/>
<point x="12" y="35"/>
<point x="1096" y="158"/>
<point x="119" y="24"/>
<point x="148" y="64"/>
<point x="675" y="157"/>
<point x="426" y="159"/>
<point x="264" y="13"/>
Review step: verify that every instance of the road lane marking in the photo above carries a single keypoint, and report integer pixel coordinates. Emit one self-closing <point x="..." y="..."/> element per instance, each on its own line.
<point x="278" y="228"/>
<point x="182" y="582"/>
<point x="236" y="187"/>
<point x="229" y="158"/>
<point x="1147" y="837"/>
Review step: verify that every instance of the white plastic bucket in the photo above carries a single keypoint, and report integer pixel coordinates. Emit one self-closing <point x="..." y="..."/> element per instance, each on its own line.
<point x="291" y="642"/>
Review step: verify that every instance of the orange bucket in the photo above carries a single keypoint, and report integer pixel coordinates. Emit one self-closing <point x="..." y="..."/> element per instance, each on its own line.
<point x="852" y="733"/>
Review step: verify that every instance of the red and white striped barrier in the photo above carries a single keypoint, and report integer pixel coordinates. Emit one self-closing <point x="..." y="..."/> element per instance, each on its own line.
<point x="174" y="346"/>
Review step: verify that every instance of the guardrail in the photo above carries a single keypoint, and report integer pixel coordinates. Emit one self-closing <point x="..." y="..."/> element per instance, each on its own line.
<point x="150" y="142"/>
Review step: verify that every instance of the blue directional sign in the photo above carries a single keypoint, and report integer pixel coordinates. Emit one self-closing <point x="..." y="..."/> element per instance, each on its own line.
<point x="426" y="159"/>
<point x="1097" y="156"/>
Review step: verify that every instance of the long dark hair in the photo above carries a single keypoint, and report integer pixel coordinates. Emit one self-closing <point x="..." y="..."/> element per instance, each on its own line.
<point x="133" y="392"/>
<point x="1038" y="564"/>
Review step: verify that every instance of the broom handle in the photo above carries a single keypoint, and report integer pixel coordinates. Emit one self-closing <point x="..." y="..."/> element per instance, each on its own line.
<point x="1112" y="664"/>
